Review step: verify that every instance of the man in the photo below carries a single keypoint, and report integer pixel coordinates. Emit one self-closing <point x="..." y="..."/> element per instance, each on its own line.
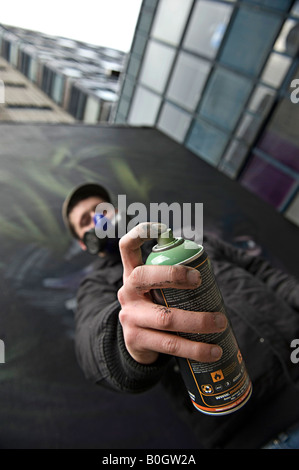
<point x="126" y="342"/>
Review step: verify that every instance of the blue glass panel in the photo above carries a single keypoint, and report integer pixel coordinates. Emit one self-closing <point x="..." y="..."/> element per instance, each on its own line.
<point x="207" y="142"/>
<point x="252" y="34"/>
<point x="225" y="97"/>
<point x="282" y="5"/>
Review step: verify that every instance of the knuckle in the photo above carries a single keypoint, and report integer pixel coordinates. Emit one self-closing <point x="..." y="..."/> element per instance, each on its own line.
<point x="121" y="295"/>
<point x="164" y="318"/>
<point x="131" y="338"/>
<point x="137" y="274"/>
<point x="172" y="272"/>
<point x="170" y="345"/>
<point x="122" y="317"/>
<point x="122" y="242"/>
<point x="177" y="273"/>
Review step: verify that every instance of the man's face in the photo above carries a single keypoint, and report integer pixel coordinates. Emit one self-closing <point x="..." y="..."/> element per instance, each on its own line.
<point x="81" y="216"/>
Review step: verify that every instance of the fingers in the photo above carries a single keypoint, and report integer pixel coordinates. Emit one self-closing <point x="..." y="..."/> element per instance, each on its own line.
<point x="154" y="329"/>
<point x="158" y="317"/>
<point x="145" y="278"/>
<point x="181" y="347"/>
<point x="144" y="346"/>
<point x="130" y="244"/>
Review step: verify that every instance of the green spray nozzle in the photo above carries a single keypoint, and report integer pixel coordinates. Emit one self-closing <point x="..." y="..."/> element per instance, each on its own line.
<point x="166" y="237"/>
<point x="167" y="240"/>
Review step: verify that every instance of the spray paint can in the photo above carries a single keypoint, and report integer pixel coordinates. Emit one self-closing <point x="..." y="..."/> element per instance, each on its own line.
<point x="217" y="388"/>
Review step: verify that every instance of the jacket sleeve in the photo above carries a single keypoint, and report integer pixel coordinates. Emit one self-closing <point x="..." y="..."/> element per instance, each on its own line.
<point x="99" y="342"/>
<point x="286" y="286"/>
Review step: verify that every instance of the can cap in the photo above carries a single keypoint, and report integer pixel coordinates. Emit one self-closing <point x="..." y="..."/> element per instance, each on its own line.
<point x="166" y="237"/>
<point x="167" y="240"/>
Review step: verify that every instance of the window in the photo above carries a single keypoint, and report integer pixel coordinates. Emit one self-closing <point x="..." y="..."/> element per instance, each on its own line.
<point x="170" y="20"/>
<point x="249" y="41"/>
<point x="248" y="128"/>
<point x="156" y="66"/>
<point x="233" y="158"/>
<point x="288" y="40"/>
<point x="267" y="181"/>
<point x="261" y="100"/>
<point x="187" y="81"/>
<point x="207" y="142"/>
<point x="281" y="139"/>
<point x="225" y="96"/>
<point x="282" y="5"/>
<point x="206" y="28"/>
<point x="174" y="122"/>
<point x="295" y="9"/>
<point x="276" y="69"/>
<point x="144" y="108"/>
<point x="92" y="110"/>
<point x="57" y="88"/>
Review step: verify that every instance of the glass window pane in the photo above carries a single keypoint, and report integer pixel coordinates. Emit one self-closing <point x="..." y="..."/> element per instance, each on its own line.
<point x="225" y="97"/>
<point x="251" y="36"/>
<point x="288" y="40"/>
<point x="188" y="80"/>
<point x="57" y="88"/>
<point x="174" y="122"/>
<point x="248" y="128"/>
<point x="281" y="137"/>
<point x="233" y="159"/>
<point x="267" y="181"/>
<point x="261" y="100"/>
<point x="207" y="142"/>
<point x="276" y="69"/>
<point x="282" y="5"/>
<point x="144" y="108"/>
<point x="292" y="212"/>
<point x="156" y="66"/>
<point x="33" y="70"/>
<point x="295" y="9"/>
<point x="92" y="110"/>
<point x="206" y="28"/>
<point x="170" y="20"/>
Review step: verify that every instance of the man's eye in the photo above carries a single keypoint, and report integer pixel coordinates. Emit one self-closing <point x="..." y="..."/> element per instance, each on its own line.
<point x="85" y="220"/>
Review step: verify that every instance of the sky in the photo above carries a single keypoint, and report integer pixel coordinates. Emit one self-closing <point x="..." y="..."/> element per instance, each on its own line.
<point x="108" y="23"/>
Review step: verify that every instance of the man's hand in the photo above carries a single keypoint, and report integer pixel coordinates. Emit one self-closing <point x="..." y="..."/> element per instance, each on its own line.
<point x="149" y="329"/>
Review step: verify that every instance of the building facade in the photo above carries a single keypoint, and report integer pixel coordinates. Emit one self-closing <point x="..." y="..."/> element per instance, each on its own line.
<point x="81" y="78"/>
<point x="22" y="101"/>
<point x="221" y="77"/>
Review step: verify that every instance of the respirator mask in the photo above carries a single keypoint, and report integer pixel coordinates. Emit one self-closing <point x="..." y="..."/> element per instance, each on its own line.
<point x="104" y="236"/>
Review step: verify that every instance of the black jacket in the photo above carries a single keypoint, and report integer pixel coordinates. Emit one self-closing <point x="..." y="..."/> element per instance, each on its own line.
<point x="263" y="305"/>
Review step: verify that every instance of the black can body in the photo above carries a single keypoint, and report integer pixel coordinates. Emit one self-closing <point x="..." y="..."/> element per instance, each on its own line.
<point x="219" y="387"/>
